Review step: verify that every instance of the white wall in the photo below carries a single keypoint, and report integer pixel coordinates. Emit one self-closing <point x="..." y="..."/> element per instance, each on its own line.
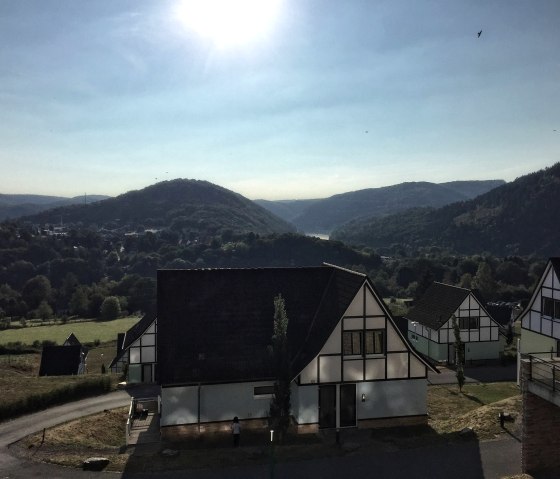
<point x="305" y="407"/>
<point x="221" y="402"/>
<point x="391" y="398"/>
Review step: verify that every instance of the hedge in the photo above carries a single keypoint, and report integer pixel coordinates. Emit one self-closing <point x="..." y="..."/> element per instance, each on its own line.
<point x="64" y="394"/>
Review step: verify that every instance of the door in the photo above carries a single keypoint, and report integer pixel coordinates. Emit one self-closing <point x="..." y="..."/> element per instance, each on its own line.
<point x="147" y="373"/>
<point x="327" y="406"/>
<point x="347" y="405"/>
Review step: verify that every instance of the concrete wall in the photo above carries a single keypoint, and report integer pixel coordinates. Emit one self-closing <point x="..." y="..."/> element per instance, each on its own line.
<point x="305" y="404"/>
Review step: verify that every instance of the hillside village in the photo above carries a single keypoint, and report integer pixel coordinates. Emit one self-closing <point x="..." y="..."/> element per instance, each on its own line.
<point x="367" y="333"/>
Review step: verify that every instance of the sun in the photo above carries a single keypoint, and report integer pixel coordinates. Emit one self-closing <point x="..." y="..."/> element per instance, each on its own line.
<point x="229" y="23"/>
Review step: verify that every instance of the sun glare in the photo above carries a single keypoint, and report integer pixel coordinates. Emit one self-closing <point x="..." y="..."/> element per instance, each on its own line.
<point x="229" y="23"/>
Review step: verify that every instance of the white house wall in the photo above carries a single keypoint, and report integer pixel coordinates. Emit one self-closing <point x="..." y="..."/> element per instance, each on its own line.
<point x="391" y="399"/>
<point x="305" y="409"/>
<point x="218" y="402"/>
<point x="364" y="313"/>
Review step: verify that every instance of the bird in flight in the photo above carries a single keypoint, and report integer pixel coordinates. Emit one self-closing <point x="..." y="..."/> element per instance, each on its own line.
<point x="479" y="33"/>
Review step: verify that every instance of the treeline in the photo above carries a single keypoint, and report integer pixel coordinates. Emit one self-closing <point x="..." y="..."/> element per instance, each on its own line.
<point x="93" y="275"/>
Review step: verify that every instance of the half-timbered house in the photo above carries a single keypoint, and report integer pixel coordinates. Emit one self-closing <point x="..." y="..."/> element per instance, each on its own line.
<point x="137" y="350"/>
<point x="430" y="325"/>
<point x="350" y="364"/>
<point x="540" y="320"/>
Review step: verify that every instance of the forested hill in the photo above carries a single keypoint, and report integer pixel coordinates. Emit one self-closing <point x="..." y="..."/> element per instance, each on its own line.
<point x="193" y="205"/>
<point x="324" y="215"/>
<point x="521" y="217"/>
<point x="14" y="206"/>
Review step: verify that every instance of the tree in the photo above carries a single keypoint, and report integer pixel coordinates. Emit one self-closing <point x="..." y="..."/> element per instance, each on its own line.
<point x="79" y="302"/>
<point x="36" y="290"/>
<point x="484" y="282"/>
<point x="459" y="353"/>
<point x="280" y="404"/>
<point x="110" y="308"/>
<point x="43" y="311"/>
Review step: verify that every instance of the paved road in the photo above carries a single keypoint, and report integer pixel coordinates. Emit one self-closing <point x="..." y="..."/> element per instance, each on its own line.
<point x="488" y="460"/>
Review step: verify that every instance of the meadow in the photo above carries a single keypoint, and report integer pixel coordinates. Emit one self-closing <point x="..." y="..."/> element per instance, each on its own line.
<point x="85" y="331"/>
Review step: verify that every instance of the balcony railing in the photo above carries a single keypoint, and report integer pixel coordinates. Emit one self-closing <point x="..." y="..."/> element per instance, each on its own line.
<point x="544" y="368"/>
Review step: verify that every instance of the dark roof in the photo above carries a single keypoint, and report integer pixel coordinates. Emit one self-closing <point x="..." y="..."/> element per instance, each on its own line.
<point x="72" y="340"/>
<point x="501" y="314"/>
<point x="217" y="323"/>
<point x="60" y="360"/>
<point x="556" y="265"/>
<point x="124" y="340"/>
<point x="137" y="330"/>
<point x="437" y="305"/>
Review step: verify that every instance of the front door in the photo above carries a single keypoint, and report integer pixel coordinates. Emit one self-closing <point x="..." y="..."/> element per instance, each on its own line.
<point x="327" y="406"/>
<point x="347" y="405"/>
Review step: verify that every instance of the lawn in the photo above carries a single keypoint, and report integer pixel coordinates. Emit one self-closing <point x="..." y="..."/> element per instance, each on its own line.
<point x="19" y="374"/>
<point x="85" y="331"/>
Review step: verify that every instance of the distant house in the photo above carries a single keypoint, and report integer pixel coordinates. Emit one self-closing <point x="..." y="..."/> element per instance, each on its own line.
<point x="540" y="320"/>
<point x="137" y="349"/>
<point x="65" y="360"/>
<point x="430" y="328"/>
<point x="351" y="366"/>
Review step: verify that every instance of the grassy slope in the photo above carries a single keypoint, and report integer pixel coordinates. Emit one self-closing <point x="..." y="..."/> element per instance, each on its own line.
<point x="18" y="373"/>
<point x="86" y="332"/>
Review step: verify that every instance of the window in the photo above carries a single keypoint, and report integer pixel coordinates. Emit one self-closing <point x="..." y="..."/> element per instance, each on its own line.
<point x="263" y="392"/>
<point x="355" y="343"/>
<point x="352" y="342"/>
<point x="470" y="322"/>
<point x="374" y="342"/>
<point x="551" y="307"/>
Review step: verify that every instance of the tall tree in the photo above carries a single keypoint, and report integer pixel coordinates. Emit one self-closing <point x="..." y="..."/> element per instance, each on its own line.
<point x="280" y="404"/>
<point x="459" y="353"/>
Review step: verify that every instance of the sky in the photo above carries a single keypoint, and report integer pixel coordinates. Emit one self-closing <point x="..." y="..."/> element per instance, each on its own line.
<point x="275" y="99"/>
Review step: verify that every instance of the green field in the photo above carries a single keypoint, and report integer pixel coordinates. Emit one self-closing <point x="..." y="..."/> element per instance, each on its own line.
<point x="85" y="331"/>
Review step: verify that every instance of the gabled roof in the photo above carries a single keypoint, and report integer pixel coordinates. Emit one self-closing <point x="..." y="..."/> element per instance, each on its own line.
<point x="556" y="265"/>
<point x="215" y="325"/>
<point x="437" y="305"/>
<point x="72" y="340"/>
<point x="553" y="262"/>
<point x="60" y="360"/>
<point x="124" y="340"/>
<point x="137" y="330"/>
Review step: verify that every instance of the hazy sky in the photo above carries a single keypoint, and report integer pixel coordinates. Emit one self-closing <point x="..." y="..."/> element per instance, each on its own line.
<point x="306" y="99"/>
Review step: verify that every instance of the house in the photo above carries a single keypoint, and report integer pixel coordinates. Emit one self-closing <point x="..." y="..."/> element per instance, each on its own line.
<point x="137" y="349"/>
<point x="430" y="327"/>
<point x="540" y="320"/>
<point x="65" y="360"/>
<point x="539" y="374"/>
<point x="350" y="364"/>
